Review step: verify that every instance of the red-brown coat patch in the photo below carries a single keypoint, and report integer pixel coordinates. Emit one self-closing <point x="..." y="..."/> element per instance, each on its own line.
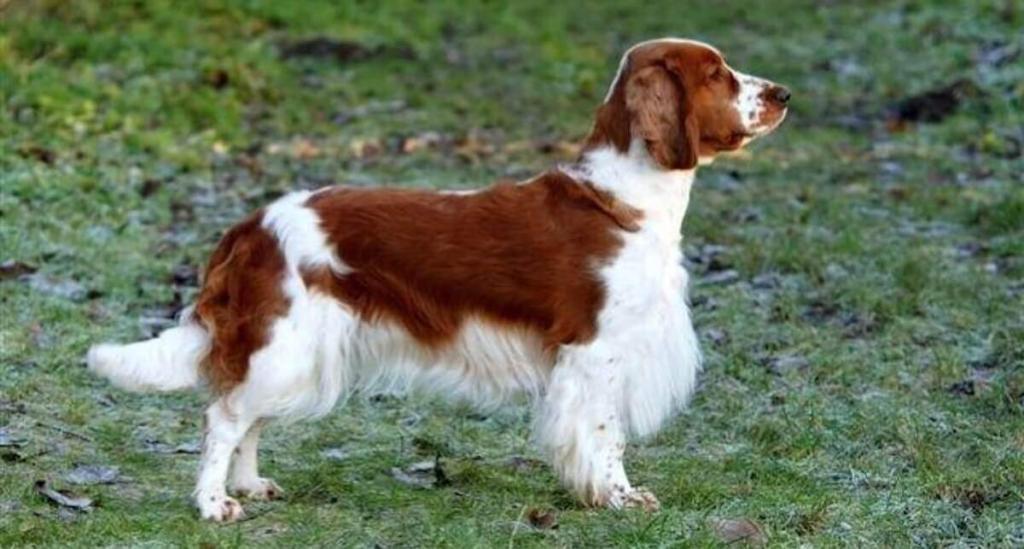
<point x="241" y="297"/>
<point x="520" y="254"/>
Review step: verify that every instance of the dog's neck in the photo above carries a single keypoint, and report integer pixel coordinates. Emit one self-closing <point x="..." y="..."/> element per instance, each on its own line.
<point x="636" y="180"/>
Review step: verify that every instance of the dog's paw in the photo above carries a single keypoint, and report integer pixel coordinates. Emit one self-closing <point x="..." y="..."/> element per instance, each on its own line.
<point x="219" y="508"/>
<point x="257" y="489"/>
<point x="642" y="498"/>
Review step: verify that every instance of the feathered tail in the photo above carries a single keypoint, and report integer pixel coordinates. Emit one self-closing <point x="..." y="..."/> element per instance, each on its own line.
<point x="167" y="362"/>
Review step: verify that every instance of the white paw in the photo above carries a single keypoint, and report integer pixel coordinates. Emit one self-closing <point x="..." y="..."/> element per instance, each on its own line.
<point x="629" y="498"/>
<point x="643" y="498"/>
<point x="258" y="489"/>
<point x="219" y="508"/>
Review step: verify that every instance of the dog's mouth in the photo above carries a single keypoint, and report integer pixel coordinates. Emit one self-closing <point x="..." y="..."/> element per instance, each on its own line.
<point x="769" y="120"/>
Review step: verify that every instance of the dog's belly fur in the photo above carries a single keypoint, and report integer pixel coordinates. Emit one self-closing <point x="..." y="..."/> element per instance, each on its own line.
<point x="322" y="351"/>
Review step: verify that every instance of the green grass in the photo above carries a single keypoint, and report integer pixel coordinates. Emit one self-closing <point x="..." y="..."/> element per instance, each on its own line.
<point x="133" y="133"/>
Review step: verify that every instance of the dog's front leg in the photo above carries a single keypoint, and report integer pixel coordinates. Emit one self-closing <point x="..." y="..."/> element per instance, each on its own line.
<point x="581" y="427"/>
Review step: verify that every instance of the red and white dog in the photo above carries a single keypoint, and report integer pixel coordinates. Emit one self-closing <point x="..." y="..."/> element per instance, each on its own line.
<point x="567" y="287"/>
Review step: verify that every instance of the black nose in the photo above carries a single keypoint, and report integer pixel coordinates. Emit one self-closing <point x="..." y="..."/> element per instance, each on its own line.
<point x="781" y="94"/>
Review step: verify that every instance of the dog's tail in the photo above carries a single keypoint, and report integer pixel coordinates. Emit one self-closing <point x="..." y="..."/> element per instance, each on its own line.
<point x="167" y="362"/>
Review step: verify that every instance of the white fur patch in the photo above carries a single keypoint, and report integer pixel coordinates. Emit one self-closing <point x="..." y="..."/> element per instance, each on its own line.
<point x="168" y="362"/>
<point x="750" y="104"/>
<point x="646" y="315"/>
<point x="298" y="232"/>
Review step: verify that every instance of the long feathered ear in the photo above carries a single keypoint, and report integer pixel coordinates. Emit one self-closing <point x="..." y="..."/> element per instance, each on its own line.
<point x="659" y="114"/>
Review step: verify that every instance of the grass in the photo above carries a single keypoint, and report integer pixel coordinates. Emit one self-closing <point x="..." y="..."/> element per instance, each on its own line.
<point x="865" y="371"/>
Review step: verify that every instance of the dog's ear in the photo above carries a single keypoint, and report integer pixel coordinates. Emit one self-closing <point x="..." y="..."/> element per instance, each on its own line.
<point x="660" y="115"/>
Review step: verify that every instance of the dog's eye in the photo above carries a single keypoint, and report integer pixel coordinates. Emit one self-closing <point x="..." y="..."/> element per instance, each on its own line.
<point x="716" y="73"/>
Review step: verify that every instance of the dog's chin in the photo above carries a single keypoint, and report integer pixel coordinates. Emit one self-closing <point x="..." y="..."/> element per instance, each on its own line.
<point x="766" y="129"/>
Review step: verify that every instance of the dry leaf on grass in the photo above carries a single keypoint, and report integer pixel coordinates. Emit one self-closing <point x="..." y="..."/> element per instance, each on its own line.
<point x="740" y="531"/>
<point x="13" y="269"/>
<point x="6" y="440"/>
<point x="93" y="474"/>
<point x="62" y="498"/>
<point x="542" y="519"/>
<point x="424" y="474"/>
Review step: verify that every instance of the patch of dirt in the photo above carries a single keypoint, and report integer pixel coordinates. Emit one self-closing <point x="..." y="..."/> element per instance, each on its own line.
<point x="326" y="48"/>
<point x="930" y="106"/>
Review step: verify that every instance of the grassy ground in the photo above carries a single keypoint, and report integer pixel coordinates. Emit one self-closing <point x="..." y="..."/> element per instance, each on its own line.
<point x="860" y="280"/>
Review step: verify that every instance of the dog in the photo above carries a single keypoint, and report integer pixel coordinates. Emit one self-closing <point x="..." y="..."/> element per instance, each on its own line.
<point x="568" y="287"/>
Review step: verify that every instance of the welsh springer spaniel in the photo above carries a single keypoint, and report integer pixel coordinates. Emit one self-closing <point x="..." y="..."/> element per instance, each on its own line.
<point x="567" y="287"/>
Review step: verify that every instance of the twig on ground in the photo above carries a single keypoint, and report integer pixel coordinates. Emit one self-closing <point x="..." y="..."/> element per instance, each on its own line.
<point x="63" y="430"/>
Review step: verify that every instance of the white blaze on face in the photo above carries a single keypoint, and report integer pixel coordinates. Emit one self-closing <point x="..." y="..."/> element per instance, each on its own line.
<point x="750" y="102"/>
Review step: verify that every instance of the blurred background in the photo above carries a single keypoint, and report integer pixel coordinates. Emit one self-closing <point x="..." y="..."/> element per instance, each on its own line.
<point x="858" y="276"/>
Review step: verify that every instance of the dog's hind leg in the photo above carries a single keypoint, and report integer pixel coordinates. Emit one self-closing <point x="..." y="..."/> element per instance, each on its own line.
<point x="280" y="378"/>
<point x="301" y="372"/>
<point x="224" y="430"/>
<point x="245" y="478"/>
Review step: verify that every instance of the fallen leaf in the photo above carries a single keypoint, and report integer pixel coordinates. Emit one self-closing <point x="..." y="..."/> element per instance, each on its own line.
<point x="6" y="440"/>
<point x="156" y="446"/>
<point x="473" y="146"/>
<point x="708" y="258"/>
<point x="716" y="336"/>
<point x="722" y="278"/>
<point x="93" y="474"/>
<point x="12" y="407"/>
<point x="962" y="388"/>
<point x="820" y="310"/>
<point x="304" y="149"/>
<point x="323" y="47"/>
<point x="704" y="302"/>
<point x="184" y="274"/>
<point x="423" y="474"/>
<point x="187" y="448"/>
<point x="42" y="154"/>
<point x="542" y="519"/>
<point x="766" y="281"/>
<point x="739" y="531"/>
<point x="365" y="148"/>
<point x="62" y="498"/>
<point x="967" y="496"/>
<point x="149" y="187"/>
<point x="783" y="364"/>
<point x="218" y="79"/>
<point x="13" y="269"/>
<point x="423" y="141"/>
<point x="998" y="54"/>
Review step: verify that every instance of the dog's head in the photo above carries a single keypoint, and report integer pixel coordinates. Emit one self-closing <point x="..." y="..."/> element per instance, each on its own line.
<point x="684" y="104"/>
